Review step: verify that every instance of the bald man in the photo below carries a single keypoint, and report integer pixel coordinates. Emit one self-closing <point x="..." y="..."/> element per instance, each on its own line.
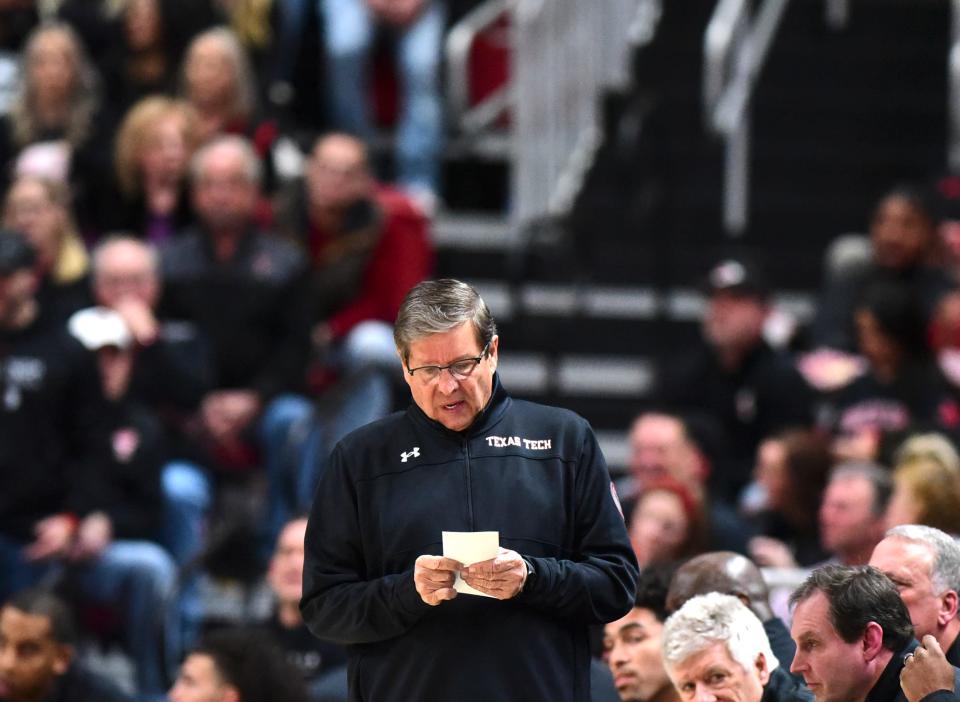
<point x="731" y="574"/>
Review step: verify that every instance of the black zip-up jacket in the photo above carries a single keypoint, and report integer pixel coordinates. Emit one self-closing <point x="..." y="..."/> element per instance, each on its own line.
<point x="51" y="408"/>
<point x="531" y="472"/>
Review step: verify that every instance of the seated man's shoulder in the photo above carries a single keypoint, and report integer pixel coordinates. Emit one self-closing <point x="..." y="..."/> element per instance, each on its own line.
<point x="278" y="255"/>
<point x="398" y="205"/>
<point x="80" y="684"/>
<point x="183" y="252"/>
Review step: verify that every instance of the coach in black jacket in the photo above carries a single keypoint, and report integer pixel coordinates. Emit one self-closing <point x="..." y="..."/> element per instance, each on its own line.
<point x="465" y="457"/>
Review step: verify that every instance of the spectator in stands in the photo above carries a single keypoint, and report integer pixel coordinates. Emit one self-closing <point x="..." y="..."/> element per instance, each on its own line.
<point x="322" y="664"/>
<point x="715" y="648"/>
<point x="419" y="25"/>
<point x="735" y="381"/>
<point x="662" y="446"/>
<point x="792" y="470"/>
<point x="852" y="512"/>
<point x="925" y="491"/>
<point x="171" y="372"/>
<point x="38" y="656"/>
<point x="852" y="632"/>
<point x="17" y="19"/>
<point x="666" y="523"/>
<point x="924" y="564"/>
<point x="219" y="84"/>
<point x="40" y="209"/>
<point x="55" y="128"/>
<point x="631" y="645"/>
<point x="153" y="149"/>
<point x="150" y="42"/>
<point x="904" y="243"/>
<point x="368" y="245"/>
<point x="902" y="386"/>
<point x="69" y="511"/>
<point x="731" y="574"/>
<point x="241" y="287"/>
<point x="932" y="445"/>
<point x="852" y="515"/>
<point x="238" y="666"/>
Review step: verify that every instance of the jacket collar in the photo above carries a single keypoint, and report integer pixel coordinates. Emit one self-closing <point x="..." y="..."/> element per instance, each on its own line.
<point x="887" y="687"/>
<point x="487" y="419"/>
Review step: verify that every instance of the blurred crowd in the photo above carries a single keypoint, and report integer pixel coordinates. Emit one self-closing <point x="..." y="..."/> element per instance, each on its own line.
<point x="197" y="292"/>
<point x="197" y="289"/>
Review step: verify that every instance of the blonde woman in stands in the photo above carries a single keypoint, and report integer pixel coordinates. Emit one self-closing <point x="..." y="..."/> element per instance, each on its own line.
<point x="926" y="489"/>
<point x="153" y="149"/>
<point x="55" y="127"/>
<point x="40" y="210"/>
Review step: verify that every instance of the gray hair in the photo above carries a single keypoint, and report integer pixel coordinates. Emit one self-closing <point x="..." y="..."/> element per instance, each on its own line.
<point x="437" y="306"/>
<point x="713" y="618"/>
<point x="252" y="166"/>
<point x="875" y="474"/>
<point x="113" y="239"/>
<point x="945" y="572"/>
<point x="244" y="104"/>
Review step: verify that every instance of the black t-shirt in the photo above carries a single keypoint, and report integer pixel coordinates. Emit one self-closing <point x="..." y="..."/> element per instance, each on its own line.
<point x="305" y="652"/>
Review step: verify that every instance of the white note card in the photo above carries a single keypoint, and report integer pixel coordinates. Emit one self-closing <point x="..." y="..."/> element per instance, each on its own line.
<point x="470" y="547"/>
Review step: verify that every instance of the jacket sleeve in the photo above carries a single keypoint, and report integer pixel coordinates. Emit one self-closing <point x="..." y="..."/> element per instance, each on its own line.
<point x="942" y="696"/>
<point x="340" y="603"/>
<point x="599" y="585"/>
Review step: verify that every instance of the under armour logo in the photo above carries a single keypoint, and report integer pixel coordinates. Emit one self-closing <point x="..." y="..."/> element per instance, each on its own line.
<point x="410" y="454"/>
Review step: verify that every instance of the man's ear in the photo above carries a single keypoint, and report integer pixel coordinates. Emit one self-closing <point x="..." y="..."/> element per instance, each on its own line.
<point x="763" y="670"/>
<point x="948" y="607"/>
<point x="872" y="641"/>
<point x="229" y="693"/>
<point x="62" y="657"/>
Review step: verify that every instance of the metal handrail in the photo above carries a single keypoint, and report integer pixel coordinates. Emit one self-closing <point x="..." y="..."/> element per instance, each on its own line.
<point x="735" y="51"/>
<point x="460" y="40"/>
<point x="718" y="46"/>
<point x="953" y="92"/>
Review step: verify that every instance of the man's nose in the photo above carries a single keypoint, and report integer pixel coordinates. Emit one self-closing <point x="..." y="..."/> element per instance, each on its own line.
<point x="704" y="693"/>
<point x="617" y="654"/>
<point x="447" y="382"/>
<point x="796" y="664"/>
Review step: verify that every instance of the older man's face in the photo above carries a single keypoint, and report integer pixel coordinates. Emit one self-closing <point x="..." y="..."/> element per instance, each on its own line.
<point x="847" y="519"/>
<point x="124" y="270"/>
<point x="631" y="647"/>
<point x="453" y="402"/>
<point x="909" y="565"/>
<point x="834" y="670"/>
<point x="224" y="195"/>
<point x="713" y="675"/>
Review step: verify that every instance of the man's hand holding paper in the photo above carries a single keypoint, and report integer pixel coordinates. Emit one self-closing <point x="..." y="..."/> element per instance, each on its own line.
<point x="434" y="577"/>
<point x="501" y="577"/>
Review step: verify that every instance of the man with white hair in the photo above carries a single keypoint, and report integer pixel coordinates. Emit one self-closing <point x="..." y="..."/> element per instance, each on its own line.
<point x="716" y="648"/>
<point x="924" y="564"/>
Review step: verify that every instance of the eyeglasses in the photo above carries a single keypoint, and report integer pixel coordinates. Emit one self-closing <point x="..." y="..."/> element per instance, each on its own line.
<point x="460" y="370"/>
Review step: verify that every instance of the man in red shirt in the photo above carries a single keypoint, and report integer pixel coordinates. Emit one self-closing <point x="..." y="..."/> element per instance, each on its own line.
<point x="367" y="245"/>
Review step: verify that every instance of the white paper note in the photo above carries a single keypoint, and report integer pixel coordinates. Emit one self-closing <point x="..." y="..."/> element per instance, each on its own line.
<point x="470" y="547"/>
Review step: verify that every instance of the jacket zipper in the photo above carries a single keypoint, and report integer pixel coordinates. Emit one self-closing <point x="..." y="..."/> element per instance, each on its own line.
<point x="466" y="459"/>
